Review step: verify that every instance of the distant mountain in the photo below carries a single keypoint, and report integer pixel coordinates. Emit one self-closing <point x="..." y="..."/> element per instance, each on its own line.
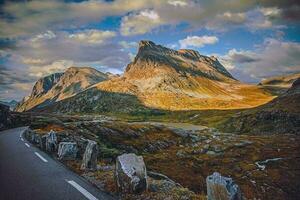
<point x="162" y="78"/>
<point x="278" y="85"/>
<point x="284" y="81"/>
<point x="281" y="115"/>
<point x="12" y="104"/>
<point x="59" y="86"/>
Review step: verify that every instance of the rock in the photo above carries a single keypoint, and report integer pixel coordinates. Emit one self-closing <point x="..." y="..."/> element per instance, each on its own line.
<point x="212" y="153"/>
<point x="131" y="174"/>
<point x="43" y="142"/>
<point x="89" y="160"/>
<point x="67" y="151"/>
<point x="243" y="143"/>
<point x="222" y="188"/>
<point x="51" y="141"/>
<point x="180" y="154"/>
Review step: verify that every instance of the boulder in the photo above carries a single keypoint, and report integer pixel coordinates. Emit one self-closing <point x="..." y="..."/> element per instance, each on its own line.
<point x="51" y="141"/>
<point x="89" y="160"/>
<point x="30" y="135"/>
<point x="222" y="188"/>
<point x="42" y="143"/>
<point x="131" y="174"/>
<point x="67" y="151"/>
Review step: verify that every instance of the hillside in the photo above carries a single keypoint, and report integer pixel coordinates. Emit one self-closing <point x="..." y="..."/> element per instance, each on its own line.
<point x="59" y="86"/>
<point x="163" y="78"/>
<point x="281" y="115"/>
<point x="278" y="85"/>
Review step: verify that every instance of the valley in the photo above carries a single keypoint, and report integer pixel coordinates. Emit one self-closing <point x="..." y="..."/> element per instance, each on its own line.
<point x="184" y="113"/>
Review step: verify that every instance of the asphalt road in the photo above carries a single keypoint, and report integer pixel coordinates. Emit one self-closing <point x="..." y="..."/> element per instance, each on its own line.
<point x="28" y="173"/>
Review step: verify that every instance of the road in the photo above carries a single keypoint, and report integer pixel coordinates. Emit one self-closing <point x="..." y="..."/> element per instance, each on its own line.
<point x="28" y="173"/>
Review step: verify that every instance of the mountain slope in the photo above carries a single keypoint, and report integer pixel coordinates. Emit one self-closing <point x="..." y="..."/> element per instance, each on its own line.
<point x="284" y="81"/>
<point x="59" y="86"/>
<point x="278" y="85"/>
<point x="281" y="115"/>
<point x="182" y="80"/>
<point x="166" y="79"/>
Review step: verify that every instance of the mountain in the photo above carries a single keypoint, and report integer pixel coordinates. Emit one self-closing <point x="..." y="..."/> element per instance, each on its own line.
<point x="163" y="78"/>
<point x="281" y="115"/>
<point x="59" y="86"/>
<point x="284" y="81"/>
<point x="12" y="104"/>
<point x="166" y="79"/>
<point x="278" y="85"/>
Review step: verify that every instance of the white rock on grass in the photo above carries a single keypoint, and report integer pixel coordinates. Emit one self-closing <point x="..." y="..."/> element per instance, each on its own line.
<point x="222" y="188"/>
<point x="131" y="174"/>
<point x="89" y="161"/>
<point x="51" y="141"/>
<point x="67" y="151"/>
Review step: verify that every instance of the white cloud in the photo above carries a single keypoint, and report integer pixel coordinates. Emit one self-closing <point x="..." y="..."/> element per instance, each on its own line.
<point x="140" y="23"/>
<point x="197" y="41"/>
<point x="47" y="35"/>
<point x="128" y="45"/>
<point x="273" y="57"/>
<point x="270" y="11"/>
<point x="93" y="36"/>
<point x="177" y="3"/>
<point x="56" y="66"/>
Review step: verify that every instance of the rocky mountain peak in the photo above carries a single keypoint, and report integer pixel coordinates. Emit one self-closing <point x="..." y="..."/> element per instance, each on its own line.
<point x="152" y="59"/>
<point x="190" y="53"/>
<point x="146" y="43"/>
<point x="43" y="85"/>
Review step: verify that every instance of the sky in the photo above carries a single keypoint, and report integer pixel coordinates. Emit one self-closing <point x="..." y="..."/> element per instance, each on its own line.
<point x="253" y="39"/>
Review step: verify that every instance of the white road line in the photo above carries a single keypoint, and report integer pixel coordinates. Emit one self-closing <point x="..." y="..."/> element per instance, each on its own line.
<point x="82" y="190"/>
<point x="27" y="145"/>
<point x="22" y="139"/>
<point x="41" y="157"/>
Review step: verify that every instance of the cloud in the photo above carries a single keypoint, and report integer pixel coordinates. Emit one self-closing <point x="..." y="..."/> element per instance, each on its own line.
<point x="31" y="17"/>
<point x="44" y="70"/>
<point x="177" y="3"/>
<point x="93" y="36"/>
<point x="128" y="45"/>
<point x="54" y="51"/>
<point x="140" y="23"/>
<point x="196" y="41"/>
<point x="273" y="57"/>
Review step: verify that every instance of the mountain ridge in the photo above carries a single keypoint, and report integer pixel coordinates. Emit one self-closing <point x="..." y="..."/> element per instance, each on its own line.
<point x="59" y="86"/>
<point x="166" y="79"/>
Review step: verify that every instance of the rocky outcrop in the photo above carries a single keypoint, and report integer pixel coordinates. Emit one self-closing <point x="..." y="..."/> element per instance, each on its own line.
<point x="222" y="188"/>
<point x="67" y="151"/>
<point x="131" y="174"/>
<point x="51" y="141"/>
<point x="89" y="161"/>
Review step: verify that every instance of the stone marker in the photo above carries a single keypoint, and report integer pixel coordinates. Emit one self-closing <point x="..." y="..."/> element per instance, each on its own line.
<point x="131" y="174"/>
<point x="51" y="141"/>
<point x="89" y="160"/>
<point x="222" y="188"/>
<point x="67" y="151"/>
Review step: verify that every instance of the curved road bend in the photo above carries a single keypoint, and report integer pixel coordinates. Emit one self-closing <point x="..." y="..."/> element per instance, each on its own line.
<point x="28" y="173"/>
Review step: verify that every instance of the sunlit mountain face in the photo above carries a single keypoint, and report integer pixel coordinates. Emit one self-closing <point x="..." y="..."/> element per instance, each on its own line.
<point x="253" y="40"/>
